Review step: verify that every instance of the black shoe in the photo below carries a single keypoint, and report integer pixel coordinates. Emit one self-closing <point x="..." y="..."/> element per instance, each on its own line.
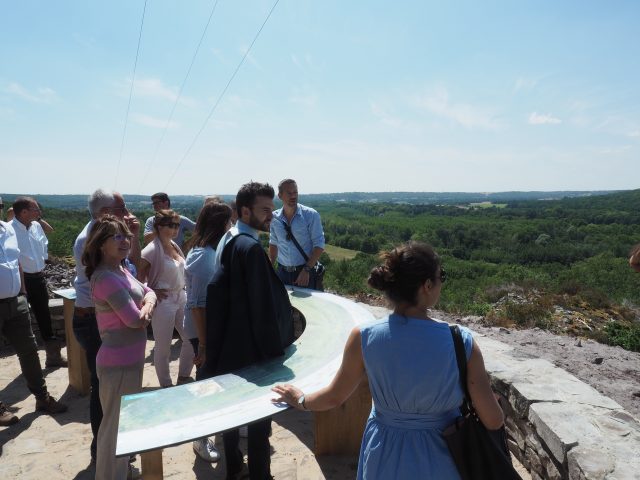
<point x="6" y="417"/>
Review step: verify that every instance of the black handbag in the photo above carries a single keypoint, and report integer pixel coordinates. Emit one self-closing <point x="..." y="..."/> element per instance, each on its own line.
<point x="479" y="454"/>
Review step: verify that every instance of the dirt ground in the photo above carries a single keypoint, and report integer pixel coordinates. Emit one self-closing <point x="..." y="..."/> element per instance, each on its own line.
<point x="612" y="371"/>
<point x="40" y="446"/>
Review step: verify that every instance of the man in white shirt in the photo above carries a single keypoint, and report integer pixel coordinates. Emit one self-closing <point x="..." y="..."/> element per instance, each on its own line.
<point x="30" y="230"/>
<point x="15" y="325"/>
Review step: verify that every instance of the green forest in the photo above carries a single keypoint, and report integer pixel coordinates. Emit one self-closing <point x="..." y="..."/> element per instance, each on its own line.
<point x="570" y="253"/>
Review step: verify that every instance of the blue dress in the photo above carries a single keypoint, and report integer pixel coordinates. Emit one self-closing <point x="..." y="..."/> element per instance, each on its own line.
<point x="414" y="381"/>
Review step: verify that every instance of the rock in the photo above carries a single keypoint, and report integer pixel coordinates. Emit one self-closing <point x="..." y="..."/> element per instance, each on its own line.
<point x="636" y="394"/>
<point x="598" y="360"/>
<point x="504" y="330"/>
<point x="579" y="344"/>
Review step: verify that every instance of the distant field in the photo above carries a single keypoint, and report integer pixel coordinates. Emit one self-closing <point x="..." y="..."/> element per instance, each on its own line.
<point x="339" y="253"/>
<point x="487" y="205"/>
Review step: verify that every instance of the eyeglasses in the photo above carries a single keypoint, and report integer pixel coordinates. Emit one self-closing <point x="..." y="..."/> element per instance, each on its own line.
<point x="121" y="237"/>
<point x="157" y="202"/>
<point x="122" y="209"/>
<point x="443" y="275"/>
<point x="170" y="225"/>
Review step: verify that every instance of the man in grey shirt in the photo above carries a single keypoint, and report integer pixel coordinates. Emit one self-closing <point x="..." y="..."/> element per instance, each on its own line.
<point x="161" y="201"/>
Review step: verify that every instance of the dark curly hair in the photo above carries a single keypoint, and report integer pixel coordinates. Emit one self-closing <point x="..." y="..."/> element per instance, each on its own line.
<point x="403" y="270"/>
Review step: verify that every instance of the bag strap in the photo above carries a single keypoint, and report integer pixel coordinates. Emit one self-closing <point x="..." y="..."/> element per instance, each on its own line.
<point x="461" y="360"/>
<point x="287" y="227"/>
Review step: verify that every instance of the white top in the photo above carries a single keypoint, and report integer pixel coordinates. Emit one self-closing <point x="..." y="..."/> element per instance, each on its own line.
<point x="9" y="261"/>
<point x="33" y="246"/>
<point x="171" y="274"/>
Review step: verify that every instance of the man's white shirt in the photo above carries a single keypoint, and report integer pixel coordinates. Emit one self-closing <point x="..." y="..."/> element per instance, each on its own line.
<point x="33" y="244"/>
<point x="9" y="264"/>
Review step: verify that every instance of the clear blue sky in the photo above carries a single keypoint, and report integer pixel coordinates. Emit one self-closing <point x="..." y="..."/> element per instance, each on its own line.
<point x="340" y="95"/>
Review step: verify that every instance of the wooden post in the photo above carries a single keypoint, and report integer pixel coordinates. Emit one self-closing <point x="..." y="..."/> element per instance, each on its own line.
<point x="79" y="375"/>
<point x="152" y="465"/>
<point x="339" y="431"/>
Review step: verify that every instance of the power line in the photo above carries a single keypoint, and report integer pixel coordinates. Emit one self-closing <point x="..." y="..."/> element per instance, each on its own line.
<point x="224" y="90"/>
<point x="126" y="117"/>
<point x="175" y="103"/>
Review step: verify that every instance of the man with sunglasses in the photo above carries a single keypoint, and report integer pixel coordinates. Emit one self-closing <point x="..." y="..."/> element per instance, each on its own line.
<point x="161" y="201"/>
<point x="297" y="239"/>
<point x="31" y="232"/>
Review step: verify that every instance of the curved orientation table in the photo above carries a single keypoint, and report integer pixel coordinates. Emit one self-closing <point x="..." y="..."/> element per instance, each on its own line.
<point x="165" y="417"/>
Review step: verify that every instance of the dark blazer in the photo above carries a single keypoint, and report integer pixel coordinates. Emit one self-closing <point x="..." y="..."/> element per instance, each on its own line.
<point x="248" y="313"/>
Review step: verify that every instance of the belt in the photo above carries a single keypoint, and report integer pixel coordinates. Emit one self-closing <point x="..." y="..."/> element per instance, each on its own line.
<point x="291" y="269"/>
<point x="84" y="311"/>
<point x="9" y="299"/>
<point x="34" y="275"/>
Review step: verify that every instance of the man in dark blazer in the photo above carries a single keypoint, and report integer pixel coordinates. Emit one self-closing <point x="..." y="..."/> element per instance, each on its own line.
<point x="249" y="317"/>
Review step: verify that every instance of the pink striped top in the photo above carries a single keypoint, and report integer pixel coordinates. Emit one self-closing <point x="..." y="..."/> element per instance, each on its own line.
<point x="118" y="299"/>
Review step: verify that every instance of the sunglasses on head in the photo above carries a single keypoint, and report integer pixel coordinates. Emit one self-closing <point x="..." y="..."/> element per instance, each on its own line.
<point x="119" y="237"/>
<point x="170" y="225"/>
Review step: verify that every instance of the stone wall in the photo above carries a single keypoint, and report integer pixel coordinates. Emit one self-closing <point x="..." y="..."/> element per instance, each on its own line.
<point x="560" y="427"/>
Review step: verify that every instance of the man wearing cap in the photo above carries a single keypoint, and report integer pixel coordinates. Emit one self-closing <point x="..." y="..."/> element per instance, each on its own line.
<point x="15" y="325"/>
<point x="30" y="230"/>
<point x="293" y="223"/>
<point x="161" y="201"/>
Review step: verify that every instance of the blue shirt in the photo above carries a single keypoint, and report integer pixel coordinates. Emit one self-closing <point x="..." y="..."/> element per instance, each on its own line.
<point x="240" y="227"/>
<point x="306" y="227"/>
<point x="198" y="272"/>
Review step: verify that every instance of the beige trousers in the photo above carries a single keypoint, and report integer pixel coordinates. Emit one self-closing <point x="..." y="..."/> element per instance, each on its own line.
<point x="114" y="382"/>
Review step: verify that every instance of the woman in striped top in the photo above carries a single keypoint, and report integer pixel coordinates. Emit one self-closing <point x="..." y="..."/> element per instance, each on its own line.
<point x="123" y="310"/>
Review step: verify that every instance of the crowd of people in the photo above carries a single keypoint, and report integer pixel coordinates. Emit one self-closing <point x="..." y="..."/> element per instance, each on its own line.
<point x="226" y="297"/>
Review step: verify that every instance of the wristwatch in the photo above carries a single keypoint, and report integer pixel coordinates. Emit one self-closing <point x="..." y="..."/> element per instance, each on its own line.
<point x="307" y="268"/>
<point x="301" y="402"/>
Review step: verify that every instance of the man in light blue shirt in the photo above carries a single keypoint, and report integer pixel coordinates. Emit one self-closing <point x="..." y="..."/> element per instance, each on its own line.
<point x="303" y="223"/>
<point x="161" y="201"/>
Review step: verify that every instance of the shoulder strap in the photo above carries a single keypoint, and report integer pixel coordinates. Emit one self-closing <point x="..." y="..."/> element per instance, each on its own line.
<point x="461" y="359"/>
<point x="289" y="231"/>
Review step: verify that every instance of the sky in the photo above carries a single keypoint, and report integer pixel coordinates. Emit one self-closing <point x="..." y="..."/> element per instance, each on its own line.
<point x="339" y="95"/>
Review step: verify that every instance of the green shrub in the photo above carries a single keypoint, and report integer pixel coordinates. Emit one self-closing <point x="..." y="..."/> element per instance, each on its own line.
<point x="625" y="336"/>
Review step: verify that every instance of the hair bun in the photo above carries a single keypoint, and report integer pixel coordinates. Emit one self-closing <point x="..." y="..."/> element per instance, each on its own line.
<point x="380" y="278"/>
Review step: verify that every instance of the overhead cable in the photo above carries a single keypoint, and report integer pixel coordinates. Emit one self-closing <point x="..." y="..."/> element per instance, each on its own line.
<point x="224" y="90"/>
<point x="126" y="117"/>
<point x="175" y="103"/>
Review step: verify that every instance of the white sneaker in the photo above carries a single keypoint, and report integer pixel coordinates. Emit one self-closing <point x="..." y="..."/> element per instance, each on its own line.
<point x="244" y="433"/>
<point x="206" y="450"/>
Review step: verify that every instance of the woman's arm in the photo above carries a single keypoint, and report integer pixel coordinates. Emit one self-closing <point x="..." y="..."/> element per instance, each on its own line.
<point x="347" y="379"/>
<point x="111" y="288"/>
<point x="143" y="270"/>
<point x="200" y="322"/>
<point x="482" y="397"/>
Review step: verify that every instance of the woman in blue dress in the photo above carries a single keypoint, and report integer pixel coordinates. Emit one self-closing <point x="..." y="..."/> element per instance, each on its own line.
<point x="410" y="361"/>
